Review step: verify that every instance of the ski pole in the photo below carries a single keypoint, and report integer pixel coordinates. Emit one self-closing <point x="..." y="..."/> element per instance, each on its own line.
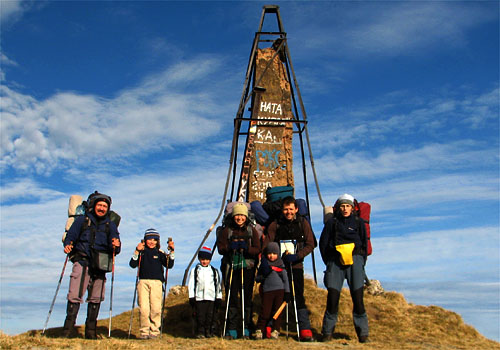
<point x="294" y="303"/>
<point x="55" y="295"/>
<point x="228" y="296"/>
<point x="135" y="294"/>
<point x="164" y="290"/>
<point x="111" y="296"/>
<point x="287" y="321"/>
<point x="242" y="295"/>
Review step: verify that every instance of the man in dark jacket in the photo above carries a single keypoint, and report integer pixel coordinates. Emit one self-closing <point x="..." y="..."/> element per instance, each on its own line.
<point x="343" y="247"/>
<point x="295" y="228"/>
<point x="91" y="232"/>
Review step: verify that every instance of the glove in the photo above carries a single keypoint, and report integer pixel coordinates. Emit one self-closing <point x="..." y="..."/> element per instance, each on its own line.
<point x="265" y="269"/>
<point x="290" y="258"/>
<point x="235" y="245"/>
<point x="244" y="245"/>
<point x="286" y="297"/>
<point x="218" y="302"/>
<point x="192" y="302"/>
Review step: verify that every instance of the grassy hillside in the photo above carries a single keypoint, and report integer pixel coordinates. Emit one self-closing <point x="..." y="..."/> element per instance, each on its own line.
<point x="394" y="324"/>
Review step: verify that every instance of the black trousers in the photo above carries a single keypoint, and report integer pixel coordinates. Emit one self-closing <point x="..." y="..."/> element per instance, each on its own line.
<point x="204" y="317"/>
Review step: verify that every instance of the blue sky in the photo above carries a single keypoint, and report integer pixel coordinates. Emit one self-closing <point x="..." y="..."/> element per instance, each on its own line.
<point x="137" y="100"/>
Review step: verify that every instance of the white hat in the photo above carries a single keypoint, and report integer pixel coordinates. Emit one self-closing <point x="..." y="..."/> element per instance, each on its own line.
<point x="346" y="199"/>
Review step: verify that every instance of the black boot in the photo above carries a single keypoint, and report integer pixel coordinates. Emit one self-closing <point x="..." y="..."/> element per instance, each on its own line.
<point x="69" y="322"/>
<point x="91" y="322"/>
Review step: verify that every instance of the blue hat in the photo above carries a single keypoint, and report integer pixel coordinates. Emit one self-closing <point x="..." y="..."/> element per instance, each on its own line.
<point x="205" y="253"/>
<point x="151" y="233"/>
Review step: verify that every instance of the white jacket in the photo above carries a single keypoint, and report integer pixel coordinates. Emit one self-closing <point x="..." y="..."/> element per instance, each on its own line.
<point x="206" y="289"/>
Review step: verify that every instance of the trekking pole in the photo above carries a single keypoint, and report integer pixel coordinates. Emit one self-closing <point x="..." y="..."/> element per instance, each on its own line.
<point x="228" y="296"/>
<point x="164" y="290"/>
<point x="111" y="297"/>
<point x="135" y="294"/>
<point x="294" y="303"/>
<point x="55" y="295"/>
<point x="242" y="295"/>
<point x="287" y="321"/>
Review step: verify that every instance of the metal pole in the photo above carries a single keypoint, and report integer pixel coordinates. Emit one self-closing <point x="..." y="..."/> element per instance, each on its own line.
<point x="111" y="297"/>
<point x="242" y="296"/>
<point x="135" y="294"/>
<point x="55" y="295"/>
<point x="164" y="290"/>
<point x="228" y="296"/>
<point x="295" y="303"/>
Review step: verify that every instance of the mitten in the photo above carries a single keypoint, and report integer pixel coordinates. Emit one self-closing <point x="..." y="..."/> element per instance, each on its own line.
<point x="218" y="302"/>
<point x="235" y="245"/>
<point x="265" y="269"/>
<point x="244" y="245"/>
<point x="286" y="297"/>
<point x="192" y="302"/>
<point x="290" y="258"/>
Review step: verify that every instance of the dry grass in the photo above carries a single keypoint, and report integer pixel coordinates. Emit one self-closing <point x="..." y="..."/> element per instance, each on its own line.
<point x="394" y="324"/>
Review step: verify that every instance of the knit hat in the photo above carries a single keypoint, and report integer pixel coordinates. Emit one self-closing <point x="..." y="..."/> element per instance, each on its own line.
<point x="273" y="247"/>
<point x="151" y="233"/>
<point x="346" y="199"/>
<point x="240" y="209"/>
<point x="205" y="253"/>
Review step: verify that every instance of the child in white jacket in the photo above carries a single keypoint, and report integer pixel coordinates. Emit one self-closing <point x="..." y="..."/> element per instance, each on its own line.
<point x="205" y="293"/>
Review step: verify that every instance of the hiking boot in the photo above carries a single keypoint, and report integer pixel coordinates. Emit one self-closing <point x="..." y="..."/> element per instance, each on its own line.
<point x="154" y="336"/>
<point x="258" y="334"/>
<point x="200" y="336"/>
<point x="91" y="322"/>
<point x="69" y="322"/>
<point x="144" y="337"/>
<point x="231" y="334"/>
<point x="326" y="337"/>
<point x="275" y="334"/>
<point x="246" y="334"/>
<point x="363" y="339"/>
<point x="306" y="335"/>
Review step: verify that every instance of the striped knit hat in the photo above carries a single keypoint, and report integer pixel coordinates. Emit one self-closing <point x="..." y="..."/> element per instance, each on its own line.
<point x="205" y="253"/>
<point x="151" y="233"/>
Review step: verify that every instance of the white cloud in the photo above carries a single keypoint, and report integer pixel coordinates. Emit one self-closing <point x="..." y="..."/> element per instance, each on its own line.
<point x="377" y="29"/>
<point x="26" y="189"/>
<point x="11" y="10"/>
<point x="71" y="127"/>
<point x="389" y="163"/>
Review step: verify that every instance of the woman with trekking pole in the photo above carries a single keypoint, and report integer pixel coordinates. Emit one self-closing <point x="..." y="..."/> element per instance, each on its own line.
<point x="239" y="245"/>
<point x="151" y="279"/>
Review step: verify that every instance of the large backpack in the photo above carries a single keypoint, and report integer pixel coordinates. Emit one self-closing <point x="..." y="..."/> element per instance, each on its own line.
<point x="363" y="210"/>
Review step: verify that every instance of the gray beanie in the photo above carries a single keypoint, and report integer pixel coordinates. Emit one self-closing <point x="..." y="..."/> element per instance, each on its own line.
<point x="273" y="247"/>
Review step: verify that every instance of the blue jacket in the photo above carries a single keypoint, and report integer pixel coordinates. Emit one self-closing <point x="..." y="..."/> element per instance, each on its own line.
<point x="81" y="234"/>
<point x="339" y="230"/>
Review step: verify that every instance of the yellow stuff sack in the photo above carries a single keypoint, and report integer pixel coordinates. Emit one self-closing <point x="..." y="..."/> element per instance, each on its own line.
<point x="345" y="251"/>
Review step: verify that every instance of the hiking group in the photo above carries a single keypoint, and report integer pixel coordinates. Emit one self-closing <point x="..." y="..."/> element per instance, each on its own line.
<point x="271" y="254"/>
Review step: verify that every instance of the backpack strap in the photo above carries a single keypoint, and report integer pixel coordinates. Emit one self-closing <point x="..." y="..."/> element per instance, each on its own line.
<point x="94" y="232"/>
<point x="216" y="276"/>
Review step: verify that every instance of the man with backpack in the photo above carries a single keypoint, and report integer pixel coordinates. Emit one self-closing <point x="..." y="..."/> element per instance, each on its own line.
<point x="91" y="239"/>
<point x="295" y="228"/>
<point x="343" y="246"/>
